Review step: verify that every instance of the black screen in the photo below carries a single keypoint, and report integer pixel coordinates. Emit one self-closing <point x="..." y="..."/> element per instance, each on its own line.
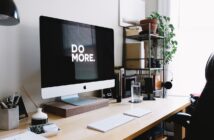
<point x="73" y="52"/>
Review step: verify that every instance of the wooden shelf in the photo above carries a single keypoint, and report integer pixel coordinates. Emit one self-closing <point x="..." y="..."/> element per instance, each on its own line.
<point x="142" y="37"/>
<point x="144" y="69"/>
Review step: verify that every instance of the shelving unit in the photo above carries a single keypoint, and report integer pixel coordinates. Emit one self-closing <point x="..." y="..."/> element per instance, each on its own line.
<point x="143" y="37"/>
<point x="148" y="69"/>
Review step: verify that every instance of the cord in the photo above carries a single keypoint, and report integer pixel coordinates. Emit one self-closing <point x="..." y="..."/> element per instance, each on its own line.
<point x="28" y="95"/>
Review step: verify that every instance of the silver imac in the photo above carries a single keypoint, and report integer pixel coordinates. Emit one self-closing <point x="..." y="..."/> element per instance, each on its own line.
<point x="75" y="58"/>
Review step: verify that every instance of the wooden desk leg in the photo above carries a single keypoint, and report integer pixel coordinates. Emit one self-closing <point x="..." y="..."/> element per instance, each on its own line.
<point x="179" y="131"/>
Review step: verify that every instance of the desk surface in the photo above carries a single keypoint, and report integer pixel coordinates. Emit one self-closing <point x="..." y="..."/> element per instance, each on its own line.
<point x="75" y="127"/>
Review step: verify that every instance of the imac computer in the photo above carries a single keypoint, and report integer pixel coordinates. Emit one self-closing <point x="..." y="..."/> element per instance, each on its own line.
<point x="75" y="58"/>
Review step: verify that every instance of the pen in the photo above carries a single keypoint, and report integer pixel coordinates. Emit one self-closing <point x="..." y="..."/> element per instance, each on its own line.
<point x="17" y="100"/>
<point x="12" y="98"/>
<point x="3" y="105"/>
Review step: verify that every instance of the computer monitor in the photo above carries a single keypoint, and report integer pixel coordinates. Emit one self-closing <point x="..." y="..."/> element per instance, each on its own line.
<point x="75" y="57"/>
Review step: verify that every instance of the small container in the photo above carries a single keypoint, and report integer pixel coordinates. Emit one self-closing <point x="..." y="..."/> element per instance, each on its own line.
<point x="39" y="117"/>
<point x="9" y="118"/>
<point x="136" y="96"/>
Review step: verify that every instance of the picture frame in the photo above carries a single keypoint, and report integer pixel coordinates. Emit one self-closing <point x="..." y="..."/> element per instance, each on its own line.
<point x="131" y="12"/>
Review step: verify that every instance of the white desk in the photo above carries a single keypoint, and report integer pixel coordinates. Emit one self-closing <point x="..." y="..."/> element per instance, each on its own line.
<point x="75" y="127"/>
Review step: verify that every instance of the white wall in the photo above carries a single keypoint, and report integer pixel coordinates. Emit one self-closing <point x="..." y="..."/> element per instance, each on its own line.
<point x="8" y="59"/>
<point x="195" y="36"/>
<point x="19" y="45"/>
<point x="151" y="6"/>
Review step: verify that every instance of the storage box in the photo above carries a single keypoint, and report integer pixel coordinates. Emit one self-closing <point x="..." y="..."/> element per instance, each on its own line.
<point x="135" y="64"/>
<point x="135" y="55"/>
<point x="132" y="31"/>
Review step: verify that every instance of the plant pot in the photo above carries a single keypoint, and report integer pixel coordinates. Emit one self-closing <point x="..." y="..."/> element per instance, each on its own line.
<point x="146" y="23"/>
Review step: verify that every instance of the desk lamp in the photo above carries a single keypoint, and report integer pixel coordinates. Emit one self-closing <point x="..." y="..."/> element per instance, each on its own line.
<point x="8" y="13"/>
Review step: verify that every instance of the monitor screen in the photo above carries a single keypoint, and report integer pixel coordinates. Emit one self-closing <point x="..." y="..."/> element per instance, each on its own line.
<point x="74" y="53"/>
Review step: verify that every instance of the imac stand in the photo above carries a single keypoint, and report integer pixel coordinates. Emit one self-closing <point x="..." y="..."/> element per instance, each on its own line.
<point x="69" y="106"/>
<point x="149" y="89"/>
<point x="78" y="101"/>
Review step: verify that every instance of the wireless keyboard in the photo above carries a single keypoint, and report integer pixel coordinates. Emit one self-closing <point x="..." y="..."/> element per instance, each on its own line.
<point x="110" y="123"/>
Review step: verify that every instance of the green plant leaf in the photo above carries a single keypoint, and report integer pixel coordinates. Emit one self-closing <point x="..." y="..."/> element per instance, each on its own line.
<point x="166" y="29"/>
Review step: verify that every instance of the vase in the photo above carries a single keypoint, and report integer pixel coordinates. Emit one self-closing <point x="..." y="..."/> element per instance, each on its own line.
<point x="39" y="117"/>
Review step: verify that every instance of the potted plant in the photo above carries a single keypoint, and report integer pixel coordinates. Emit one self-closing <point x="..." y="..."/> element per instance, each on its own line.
<point x="165" y="28"/>
<point x="145" y="25"/>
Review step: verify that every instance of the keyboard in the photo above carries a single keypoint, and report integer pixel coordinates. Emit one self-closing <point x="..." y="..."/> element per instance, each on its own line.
<point x="110" y="122"/>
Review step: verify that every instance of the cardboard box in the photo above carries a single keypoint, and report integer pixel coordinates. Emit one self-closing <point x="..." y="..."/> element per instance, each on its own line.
<point x="135" y="55"/>
<point x="135" y="50"/>
<point x="135" y="64"/>
<point x="131" y="31"/>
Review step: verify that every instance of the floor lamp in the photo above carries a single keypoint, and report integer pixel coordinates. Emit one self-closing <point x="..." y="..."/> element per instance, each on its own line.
<point x="8" y="13"/>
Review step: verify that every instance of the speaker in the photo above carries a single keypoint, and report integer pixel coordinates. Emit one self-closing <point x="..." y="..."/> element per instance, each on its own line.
<point x="118" y="89"/>
<point x="121" y="86"/>
<point x="167" y="84"/>
<point x="149" y="87"/>
<point x="115" y="90"/>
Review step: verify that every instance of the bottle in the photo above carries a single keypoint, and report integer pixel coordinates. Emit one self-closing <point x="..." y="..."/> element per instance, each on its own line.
<point x="39" y="117"/>
<point x="158" y="82"/>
